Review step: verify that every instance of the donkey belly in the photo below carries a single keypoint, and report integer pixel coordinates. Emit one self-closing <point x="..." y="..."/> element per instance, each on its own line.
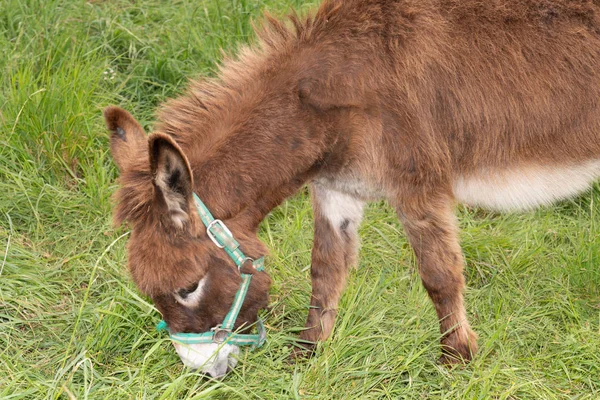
<point x="525" y="187"/>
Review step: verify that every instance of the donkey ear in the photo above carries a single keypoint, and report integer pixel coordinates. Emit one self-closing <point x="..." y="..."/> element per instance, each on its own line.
<point x="127" y="136"/>
<point x="172" y="177"/>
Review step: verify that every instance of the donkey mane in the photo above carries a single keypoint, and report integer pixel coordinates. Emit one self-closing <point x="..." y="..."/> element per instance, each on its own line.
<point x="242" y="78"/>
<point x="215" y="115"/>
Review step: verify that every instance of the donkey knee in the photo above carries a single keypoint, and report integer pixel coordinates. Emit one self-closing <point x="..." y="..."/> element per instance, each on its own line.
<point x="442" y="278"/>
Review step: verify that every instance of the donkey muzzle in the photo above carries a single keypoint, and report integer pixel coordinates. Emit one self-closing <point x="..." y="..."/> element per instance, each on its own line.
<point x="212" y="359"/>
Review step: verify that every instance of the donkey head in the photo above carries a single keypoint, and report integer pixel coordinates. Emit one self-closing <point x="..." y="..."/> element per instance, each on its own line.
<point x="171" y="258"/>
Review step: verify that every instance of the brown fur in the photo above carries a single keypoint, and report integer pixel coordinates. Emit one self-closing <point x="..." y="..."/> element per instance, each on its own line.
<point x="401" y="96"/>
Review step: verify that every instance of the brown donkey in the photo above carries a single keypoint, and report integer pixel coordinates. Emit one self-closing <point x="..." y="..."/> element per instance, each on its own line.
<point x="421" y="102"/>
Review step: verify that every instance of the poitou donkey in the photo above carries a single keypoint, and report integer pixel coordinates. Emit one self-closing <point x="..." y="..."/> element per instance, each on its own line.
<point x="423" y="103"/>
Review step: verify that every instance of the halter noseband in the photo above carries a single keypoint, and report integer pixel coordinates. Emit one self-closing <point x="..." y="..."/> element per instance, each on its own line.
<point x="223" y="239"/>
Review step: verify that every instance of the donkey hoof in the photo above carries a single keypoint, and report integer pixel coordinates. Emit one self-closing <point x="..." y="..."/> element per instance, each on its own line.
<point x="456" y="351"/>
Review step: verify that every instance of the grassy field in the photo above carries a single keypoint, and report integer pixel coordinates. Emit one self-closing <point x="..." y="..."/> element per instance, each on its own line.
<point x="72" y="324"/>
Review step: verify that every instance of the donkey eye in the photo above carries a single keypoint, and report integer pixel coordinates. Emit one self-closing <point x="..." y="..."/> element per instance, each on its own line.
<point x="190" y="296"/>
<point x="184" y="293"/>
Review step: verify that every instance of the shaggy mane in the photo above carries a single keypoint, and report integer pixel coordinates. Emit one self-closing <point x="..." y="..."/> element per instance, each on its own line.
<point x="209" y="99"/>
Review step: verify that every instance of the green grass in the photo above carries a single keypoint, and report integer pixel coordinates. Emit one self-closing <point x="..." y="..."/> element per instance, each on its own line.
<point x="72" y="324"/>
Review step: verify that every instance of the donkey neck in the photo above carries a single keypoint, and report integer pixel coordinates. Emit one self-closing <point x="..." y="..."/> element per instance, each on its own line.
<point x="259" y="131"/>
<point x="246" y="181"/>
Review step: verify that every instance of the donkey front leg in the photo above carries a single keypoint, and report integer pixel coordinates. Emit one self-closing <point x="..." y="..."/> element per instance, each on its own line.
<point x="430" y="225"/>
<point x="337" y="217"/>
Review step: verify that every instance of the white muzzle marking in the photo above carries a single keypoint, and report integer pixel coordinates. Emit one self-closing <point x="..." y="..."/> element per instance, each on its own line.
<point x="211" y="358"/>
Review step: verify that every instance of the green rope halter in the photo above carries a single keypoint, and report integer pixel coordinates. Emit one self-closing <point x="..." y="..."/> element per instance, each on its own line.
<point x="223" y="238"/>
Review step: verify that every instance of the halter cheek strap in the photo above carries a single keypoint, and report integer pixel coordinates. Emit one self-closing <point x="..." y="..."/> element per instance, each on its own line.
<point x="223" y="239"/>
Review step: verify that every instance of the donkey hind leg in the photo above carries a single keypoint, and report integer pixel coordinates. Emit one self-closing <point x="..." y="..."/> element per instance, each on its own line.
<point x="337" y="217"/>
<point x="432" y="232"/>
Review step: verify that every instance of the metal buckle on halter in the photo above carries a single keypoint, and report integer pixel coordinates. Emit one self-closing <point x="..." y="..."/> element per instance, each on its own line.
<point x="212" y="236"/>
<point x="220" y="335"/>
